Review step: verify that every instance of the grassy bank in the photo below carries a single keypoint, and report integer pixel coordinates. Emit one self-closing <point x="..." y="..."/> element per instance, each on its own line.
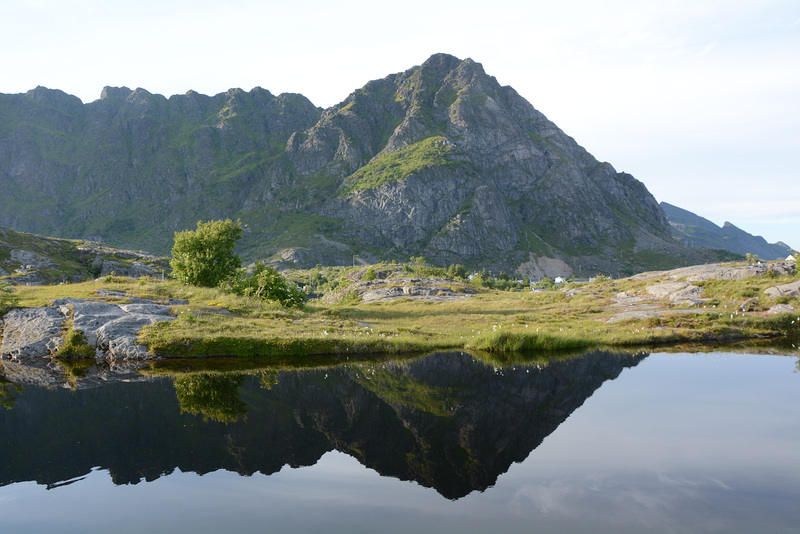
<point x="215" y="323"/>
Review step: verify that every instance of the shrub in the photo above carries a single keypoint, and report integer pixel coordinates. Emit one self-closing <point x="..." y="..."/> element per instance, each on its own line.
<point x="8" y="299"/>
<point x="266" y="283"/>
<point x="204" y="257"/>
<point x="75" y="346"/>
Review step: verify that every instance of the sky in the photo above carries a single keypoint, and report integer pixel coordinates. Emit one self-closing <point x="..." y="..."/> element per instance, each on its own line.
<point x="698" y="99"/>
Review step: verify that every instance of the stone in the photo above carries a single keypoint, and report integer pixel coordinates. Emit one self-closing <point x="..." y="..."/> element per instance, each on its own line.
<point x="718" y="271"/>
<point x="666" y="289"/>
<point x="785" y="290"/>
<point x="26" y="257"/>
<point x="31" y="333"/>
<point x="111" y="328"/>
<point x="114" y="328"/>
<point x="781" y="308"/>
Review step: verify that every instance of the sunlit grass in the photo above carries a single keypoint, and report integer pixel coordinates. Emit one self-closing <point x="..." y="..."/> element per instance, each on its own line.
<point x="216" y="323"/>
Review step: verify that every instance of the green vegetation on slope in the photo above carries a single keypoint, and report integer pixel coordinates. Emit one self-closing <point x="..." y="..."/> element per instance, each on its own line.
<point x="396" y="166"/>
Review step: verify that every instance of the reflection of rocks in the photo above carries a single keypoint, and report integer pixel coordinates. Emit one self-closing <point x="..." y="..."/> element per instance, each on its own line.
<point x="445" y="421"/>
<point x="52" y="373"/>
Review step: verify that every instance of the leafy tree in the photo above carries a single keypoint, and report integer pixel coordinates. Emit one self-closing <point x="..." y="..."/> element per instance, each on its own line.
<point x="369" y="275"/>
<point x="204" y="257"/>
<point x="547" y="283"/>
<point x="456" y="272"/>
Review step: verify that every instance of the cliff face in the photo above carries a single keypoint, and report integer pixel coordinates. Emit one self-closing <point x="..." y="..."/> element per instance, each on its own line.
<point x="439" y="160"/>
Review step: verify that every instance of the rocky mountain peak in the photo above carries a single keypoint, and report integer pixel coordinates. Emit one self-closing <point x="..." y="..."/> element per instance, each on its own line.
<point x="439" y="160"/>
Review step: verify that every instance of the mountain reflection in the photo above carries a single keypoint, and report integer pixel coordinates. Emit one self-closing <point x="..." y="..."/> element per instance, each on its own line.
<point x="446" y="421"/>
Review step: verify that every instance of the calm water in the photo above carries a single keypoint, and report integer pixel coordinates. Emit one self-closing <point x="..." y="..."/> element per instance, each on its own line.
<point x="607" y="442"/>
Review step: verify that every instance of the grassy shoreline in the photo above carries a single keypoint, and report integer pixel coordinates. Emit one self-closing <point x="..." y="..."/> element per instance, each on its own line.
<point x="578" y="316"/>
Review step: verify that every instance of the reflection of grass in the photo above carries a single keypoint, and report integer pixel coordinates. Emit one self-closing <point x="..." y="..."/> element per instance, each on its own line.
<point x="8" y="394"/>
<point x="76" y="368"/>
<point x="401" y="389"/>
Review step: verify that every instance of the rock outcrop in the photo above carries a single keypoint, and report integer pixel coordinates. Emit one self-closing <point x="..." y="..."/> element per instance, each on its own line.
<point x="784" y="290"/>
<point x="111" y="329"/>
<point x="426" y="289"/>
<point x="719" y="271"/>
<point x="32" y="333"/>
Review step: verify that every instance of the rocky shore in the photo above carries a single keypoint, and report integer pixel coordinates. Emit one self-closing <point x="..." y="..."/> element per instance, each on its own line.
<point x="110" y="328"/>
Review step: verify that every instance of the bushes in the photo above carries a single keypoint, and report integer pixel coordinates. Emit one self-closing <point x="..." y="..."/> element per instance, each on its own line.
<point x="266" y="283"/>
<point x="205" y="258"/>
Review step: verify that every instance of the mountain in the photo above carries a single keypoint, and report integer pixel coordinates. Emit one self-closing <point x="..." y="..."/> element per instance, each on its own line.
<point x="698" y="232"/>
<point x="439" y="160"/>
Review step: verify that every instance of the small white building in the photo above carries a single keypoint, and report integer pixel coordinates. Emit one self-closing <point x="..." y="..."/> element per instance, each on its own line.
<point x="790" y="258"/>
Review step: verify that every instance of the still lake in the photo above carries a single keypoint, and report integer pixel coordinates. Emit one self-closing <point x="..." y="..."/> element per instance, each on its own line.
<point x="604" y="442"/>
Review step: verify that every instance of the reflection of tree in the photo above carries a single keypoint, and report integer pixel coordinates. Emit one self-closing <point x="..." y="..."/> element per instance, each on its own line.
<point x="8" y="399"/>
<point x="216" y="397"/>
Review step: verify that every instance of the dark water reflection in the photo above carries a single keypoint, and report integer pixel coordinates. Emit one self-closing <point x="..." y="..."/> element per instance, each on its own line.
<point x="446" y="422"/>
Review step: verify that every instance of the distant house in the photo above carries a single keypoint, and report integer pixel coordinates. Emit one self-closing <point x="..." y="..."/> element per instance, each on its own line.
<point x="790" y="258"/>
<point x="559" y="280"/>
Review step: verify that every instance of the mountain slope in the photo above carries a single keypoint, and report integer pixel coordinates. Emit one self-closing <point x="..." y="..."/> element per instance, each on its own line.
<point x="439" y="160"/>
<point x="34" y="260"/>
<point x="698" y="232"/>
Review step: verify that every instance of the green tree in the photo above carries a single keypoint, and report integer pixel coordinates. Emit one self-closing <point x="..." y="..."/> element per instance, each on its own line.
<point x="456" y="272"/>
<point x="204" y="257"/>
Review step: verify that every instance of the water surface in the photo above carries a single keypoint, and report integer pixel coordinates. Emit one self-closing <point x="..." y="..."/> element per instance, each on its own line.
<point x="606" y="442"/>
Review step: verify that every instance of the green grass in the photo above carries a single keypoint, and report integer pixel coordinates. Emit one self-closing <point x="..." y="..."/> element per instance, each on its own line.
<point x="398" y="165"/>
<point x="500" y="323"/>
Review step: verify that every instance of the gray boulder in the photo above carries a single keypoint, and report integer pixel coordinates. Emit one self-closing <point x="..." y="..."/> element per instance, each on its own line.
<point x="31" y="333"/>
<point x="113" y="329"/>
<point x="785" y="290"/>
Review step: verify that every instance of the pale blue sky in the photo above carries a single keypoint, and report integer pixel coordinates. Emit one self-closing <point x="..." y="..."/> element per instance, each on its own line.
<point x="698" y="99"/>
